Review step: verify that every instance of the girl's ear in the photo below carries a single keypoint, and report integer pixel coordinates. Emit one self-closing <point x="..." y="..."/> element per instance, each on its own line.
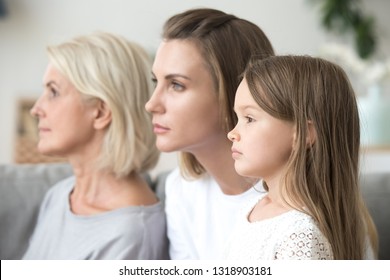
<point x="102" y="115"/>
<point x="311" y="134"/>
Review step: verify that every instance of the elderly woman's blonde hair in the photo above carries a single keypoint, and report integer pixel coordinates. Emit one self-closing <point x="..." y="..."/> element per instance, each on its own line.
<point x="109" y="68"/>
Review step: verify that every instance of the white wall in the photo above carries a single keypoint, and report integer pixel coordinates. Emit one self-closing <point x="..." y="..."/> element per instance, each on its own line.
<point x="293" y="26"/>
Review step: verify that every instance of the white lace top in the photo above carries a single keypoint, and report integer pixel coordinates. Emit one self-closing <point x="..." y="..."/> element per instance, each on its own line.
<point x="292" y="235"/>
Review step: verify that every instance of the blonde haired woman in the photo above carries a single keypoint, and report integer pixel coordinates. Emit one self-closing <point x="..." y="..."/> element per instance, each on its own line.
<point x="92" y="113"/>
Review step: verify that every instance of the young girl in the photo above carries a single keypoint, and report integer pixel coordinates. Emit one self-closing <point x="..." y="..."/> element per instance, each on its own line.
<point x="298" y="130"/>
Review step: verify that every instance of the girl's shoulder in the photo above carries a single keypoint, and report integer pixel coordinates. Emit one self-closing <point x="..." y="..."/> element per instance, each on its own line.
<point x="302" y="238"/>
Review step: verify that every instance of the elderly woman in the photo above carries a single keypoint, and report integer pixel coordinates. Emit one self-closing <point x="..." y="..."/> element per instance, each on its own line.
<point x="92" y="113"/>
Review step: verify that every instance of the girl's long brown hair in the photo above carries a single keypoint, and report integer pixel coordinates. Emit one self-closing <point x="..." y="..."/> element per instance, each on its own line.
<point x="322" y="177"/>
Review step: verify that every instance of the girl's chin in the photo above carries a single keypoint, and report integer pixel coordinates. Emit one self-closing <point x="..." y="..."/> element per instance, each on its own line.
<point x="244" y="172"/>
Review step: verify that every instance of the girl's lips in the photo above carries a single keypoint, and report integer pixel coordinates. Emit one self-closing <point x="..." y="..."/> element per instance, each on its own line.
<point x="159" y="129"/>
<point x="235" y="153"/>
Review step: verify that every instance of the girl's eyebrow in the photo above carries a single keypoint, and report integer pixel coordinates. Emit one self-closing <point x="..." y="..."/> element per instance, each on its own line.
<point x="244" y="107"/>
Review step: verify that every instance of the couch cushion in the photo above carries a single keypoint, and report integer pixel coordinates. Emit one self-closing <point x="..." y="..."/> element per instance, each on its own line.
<point x="22" y="188"/>
<point x="376" y="192"/>
<point x="158" y="185"/>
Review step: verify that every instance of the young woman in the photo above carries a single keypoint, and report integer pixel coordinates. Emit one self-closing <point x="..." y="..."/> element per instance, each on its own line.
<point x="298" y="130"/>
<point x="197" y="71"/>
<point x="91" y="112"/>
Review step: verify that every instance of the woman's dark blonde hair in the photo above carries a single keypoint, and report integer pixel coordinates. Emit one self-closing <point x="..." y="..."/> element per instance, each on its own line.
<point x="322" y="177"/>
<point x="226" y="43"/>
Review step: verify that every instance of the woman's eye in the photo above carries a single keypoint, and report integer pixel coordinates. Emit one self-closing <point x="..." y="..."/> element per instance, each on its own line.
<point x="177" y="87"/>
<point x="53" y="93"/>
<point x="154" y="81"/>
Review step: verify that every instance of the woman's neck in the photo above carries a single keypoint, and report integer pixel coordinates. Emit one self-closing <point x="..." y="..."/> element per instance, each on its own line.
<point x="100" y="191"/>
<point x="219" y="164"/>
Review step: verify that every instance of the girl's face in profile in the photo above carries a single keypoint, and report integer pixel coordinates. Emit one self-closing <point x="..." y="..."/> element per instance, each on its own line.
<point x="65" y="121"/>
<point x="262" y="144"/>
<point x="184" y="104"/>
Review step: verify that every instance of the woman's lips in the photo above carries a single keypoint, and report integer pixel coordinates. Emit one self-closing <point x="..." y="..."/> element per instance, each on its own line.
<point x="159" y="129"/>
<point x="43" y="129"/>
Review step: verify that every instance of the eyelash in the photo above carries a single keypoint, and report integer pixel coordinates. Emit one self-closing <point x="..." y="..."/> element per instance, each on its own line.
<point x="53" y="93"/>
<point x="174" y="85"/>
<point x="177" y="86"/>
<point x="249" y="119"/>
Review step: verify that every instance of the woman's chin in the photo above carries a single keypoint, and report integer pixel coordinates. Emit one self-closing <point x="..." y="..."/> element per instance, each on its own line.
<point x="165" y="147"/>
<point x="47" y="152"/>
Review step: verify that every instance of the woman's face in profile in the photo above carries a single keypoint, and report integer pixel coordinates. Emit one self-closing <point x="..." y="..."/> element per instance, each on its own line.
<point x="184" y="103"/>
<point x="65" y="120"/>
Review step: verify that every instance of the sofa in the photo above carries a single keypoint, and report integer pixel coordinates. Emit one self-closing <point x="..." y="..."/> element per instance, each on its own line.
<point x="22" y="187"/>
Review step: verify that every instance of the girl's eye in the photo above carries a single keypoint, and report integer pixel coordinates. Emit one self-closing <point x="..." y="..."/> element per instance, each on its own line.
<point x="154" y="81"/>
<point x="249" y="119"/>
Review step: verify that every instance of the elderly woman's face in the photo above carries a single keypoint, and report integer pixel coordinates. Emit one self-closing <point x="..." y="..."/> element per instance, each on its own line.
<point x="66" y="122"/>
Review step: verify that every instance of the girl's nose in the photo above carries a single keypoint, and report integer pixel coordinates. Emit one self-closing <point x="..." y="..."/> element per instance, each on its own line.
<point x="233" y="136"/>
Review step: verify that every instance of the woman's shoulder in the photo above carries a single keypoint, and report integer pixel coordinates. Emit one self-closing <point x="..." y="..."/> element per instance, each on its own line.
<point x="63" y="187"/>
<point x="176" y="181"/>
<point x="57" y="197"/>
<point x="173" y="177"/>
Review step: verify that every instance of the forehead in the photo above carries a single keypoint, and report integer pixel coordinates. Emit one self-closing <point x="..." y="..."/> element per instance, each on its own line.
<point x="243" y="96"/>
<point x="54" y="78"/>
<point x="53" y="74"/>
<point x="182" y="56"/>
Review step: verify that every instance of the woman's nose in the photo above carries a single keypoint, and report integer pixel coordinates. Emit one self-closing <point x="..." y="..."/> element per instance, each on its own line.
<point x="149" y="105"/>
<point x="36" y="110"/>
<point x="154" y="104"/>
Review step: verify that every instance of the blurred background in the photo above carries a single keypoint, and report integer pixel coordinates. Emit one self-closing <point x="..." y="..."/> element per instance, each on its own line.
<point x="293" y="26"/>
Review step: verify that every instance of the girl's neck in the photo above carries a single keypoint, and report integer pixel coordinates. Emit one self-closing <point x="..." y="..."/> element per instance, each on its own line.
<point x="272" y="204"/>
<point x="267" y="208"/>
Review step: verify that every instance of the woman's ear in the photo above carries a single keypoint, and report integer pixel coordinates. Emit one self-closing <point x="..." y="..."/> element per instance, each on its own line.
<point x="311" y="134"/>
<point x="102" y="115"/>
